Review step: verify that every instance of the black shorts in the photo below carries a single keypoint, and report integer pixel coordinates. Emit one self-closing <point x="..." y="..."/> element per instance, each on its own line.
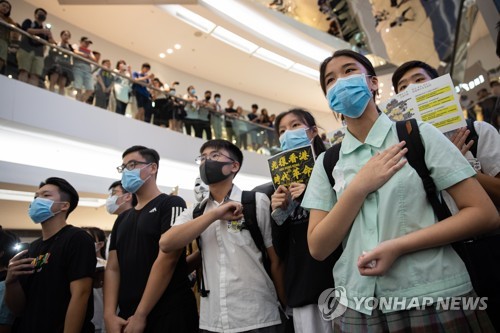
<point x="143" y="101"/>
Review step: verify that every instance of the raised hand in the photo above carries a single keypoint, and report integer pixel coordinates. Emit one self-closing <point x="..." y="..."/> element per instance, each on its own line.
<point x="19" y="266"/>
<point x="380" y="168"/>
<point x="296" y="189"/>
<point x="280" y="198"/>
<point x="230" y="211"/>
<point x="458" y="139"/>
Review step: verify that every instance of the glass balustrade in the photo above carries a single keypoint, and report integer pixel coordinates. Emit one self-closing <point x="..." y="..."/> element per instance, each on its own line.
<point x="113" y="92"/>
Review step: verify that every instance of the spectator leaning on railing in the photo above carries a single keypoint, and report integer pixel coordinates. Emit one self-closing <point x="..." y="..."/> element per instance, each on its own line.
<point x="122" y="87"/>
<point x="83" y="83"/>
<point x="60" y="71"/>
<point x="31" y="53"/>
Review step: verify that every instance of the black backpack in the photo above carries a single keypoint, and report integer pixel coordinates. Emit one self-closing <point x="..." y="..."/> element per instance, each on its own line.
<point x="250" y="215"/>
<point x="407" y="131"/>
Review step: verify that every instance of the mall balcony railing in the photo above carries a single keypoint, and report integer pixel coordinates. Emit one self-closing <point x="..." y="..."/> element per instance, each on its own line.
<point x="204" y="118"/>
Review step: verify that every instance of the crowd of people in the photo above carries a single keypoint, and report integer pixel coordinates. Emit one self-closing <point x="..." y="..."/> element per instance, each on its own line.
<point x="79" y="70"/>
<point x="365" y="224"/>
<point x="395" y="210"/>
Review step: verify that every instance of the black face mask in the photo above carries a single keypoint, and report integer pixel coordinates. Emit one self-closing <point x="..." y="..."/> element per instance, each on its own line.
<point x="207" y="98"/>
<point x="42" y="17"/>
<point x="211" y="172"/>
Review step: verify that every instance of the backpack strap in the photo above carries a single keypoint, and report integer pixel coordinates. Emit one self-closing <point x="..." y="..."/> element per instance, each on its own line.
<point x="250" y="215"/>
<point x="472" y="136"/>
<point x="330" y="159"/>
<point x="408" y="131"/>
<point x="197" y="212"/>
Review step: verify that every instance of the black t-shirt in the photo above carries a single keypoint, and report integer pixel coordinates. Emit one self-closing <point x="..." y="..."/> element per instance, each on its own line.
<point x="252" y="116"/>
<point x="29" y="44"/>
<point x="229" y="123"/>
<point x="136" y="234"/>
<point x="67" y="256"/>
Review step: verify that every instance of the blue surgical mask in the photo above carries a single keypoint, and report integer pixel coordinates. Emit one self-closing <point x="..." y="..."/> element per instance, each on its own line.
<point x="349" y="95"/>
<point x="193" y="91"/>
<point x="132" y="181"/>
<point x="40" y="210"/>
<point x="291" y="139"/>
<point x="172" y="92"/>
<point x="217" y="99"/>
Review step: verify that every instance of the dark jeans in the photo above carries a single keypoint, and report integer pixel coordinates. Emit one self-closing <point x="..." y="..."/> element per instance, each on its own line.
<point x="197" y="126"/>
<point x="205" y="126"/>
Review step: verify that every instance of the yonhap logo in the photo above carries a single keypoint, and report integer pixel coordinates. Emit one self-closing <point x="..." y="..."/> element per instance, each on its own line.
<point x="332" y="303"/>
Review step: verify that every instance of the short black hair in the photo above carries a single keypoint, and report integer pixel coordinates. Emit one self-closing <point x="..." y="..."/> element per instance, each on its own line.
<point x="8" y="241"/>
<point x="255" y="106"/>
<point x="494" y="83"/>
<point x="216" y="95"/>
<point x="147" y="65"/>
<point x="346" y="53"/>
<point x="119" y="183"/>
<point x="401" y="71"/>
<point x="10" y="7"/>
<point x="208" y="92"/>
<point x="150" y="155"/>
<point x="43" y="10"/>
<point x="66" y="191"/>
<point x="234" y="152"/>
<point x="62" y="33"/>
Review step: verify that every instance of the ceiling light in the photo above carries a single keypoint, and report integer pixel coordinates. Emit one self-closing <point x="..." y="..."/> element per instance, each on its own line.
<point x="305" y="71"/>
<point x="177" y="46"/>
<point x="170" y="51"/>
<point x="29" y="196"/>
<point x="234" y="40"/>
<point x="162" y="55"/>
<point x="267" y="29"/>
<point x="273" y="58"/>
<point x="189" y="17"/>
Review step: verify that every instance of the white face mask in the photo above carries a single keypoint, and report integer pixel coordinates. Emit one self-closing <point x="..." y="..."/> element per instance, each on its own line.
<point x="111" y="205"/>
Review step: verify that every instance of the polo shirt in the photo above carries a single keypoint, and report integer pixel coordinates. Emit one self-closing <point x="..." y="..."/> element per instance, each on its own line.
<point x="397" y="208"/>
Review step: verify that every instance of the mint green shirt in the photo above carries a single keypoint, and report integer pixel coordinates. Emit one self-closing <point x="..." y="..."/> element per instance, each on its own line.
<point x="397" y="208"/>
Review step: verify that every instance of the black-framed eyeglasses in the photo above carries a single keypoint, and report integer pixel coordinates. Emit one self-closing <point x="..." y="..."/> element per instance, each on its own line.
<point x="130" y="165"/>
<point x="213" y="156"/>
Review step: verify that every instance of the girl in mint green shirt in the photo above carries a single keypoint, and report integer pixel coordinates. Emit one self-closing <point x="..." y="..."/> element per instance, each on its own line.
<point x="395" y="254"/>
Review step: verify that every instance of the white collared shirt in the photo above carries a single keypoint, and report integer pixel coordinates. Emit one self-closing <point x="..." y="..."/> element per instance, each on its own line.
<point x="242" y="295"/>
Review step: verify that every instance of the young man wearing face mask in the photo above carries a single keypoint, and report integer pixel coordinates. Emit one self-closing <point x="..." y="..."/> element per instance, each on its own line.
<point x="240" y="295"/>
<point x="49" y="286"/>
<point x="119" y="199"/>
<point x="150" y="287"/>
<point x="30" y="54"/>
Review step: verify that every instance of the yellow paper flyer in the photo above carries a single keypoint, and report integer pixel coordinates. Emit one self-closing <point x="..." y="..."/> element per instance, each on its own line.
<point x="435" y="102"/>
